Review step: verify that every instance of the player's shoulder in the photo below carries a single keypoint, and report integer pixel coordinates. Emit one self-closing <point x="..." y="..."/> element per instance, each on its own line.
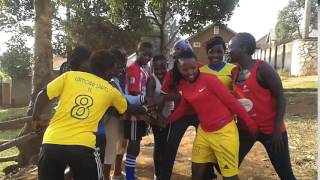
<point x="208" y="76"/>
<point x="133" y="68"/>
<point x="203" y="68"/>
<point x="199" y="64"/>
<point x="230" y="66"/>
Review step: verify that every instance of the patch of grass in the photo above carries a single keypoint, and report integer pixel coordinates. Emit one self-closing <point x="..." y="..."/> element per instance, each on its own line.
<point x="303" y="146"/>
<point x="11" y="113"/>
<point x="9" y="134"/>
<point x="300" y="83"/>
<point x="7" y="153"/>
<point x="8" y="114"/>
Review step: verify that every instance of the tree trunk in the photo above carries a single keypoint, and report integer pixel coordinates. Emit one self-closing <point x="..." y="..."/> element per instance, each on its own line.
<point x="306" y="18"/>
<point x="162" y="39"/>
<point x="163" y="36"/>
<point x="69" y="41"/>
<point x="42" y="74"/>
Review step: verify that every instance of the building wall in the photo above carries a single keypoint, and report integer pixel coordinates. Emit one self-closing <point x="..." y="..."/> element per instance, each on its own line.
<point x="304" y="57"/>
<point x="21" y="91"/>
<point x="298" y="57"/>
<point x="203" y="37"/>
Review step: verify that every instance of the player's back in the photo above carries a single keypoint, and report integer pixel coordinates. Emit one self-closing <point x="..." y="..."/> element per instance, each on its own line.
<point x="83" y="99"/>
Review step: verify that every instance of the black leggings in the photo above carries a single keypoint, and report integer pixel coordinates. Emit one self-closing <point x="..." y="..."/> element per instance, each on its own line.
<point x="280" y="161"/>
<point x="160" y="135"/>
<point x="175" y="132"/>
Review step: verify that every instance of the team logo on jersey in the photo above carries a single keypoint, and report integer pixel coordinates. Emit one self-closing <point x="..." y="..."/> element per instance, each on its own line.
<point x="246" y="103"/>
<point x="132" y="80"/>
<point x="200" y="90"/>
<point x="245" y="88"/>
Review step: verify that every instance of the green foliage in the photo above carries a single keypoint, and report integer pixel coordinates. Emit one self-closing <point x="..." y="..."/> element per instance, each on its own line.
<point x="290" y="19"/>
<point x="170" y="18"/>
<point x="89" y="23"/>
<point x="17" y="60"/>
<point x="15" y="16"/>
<point x="198" y="14"/>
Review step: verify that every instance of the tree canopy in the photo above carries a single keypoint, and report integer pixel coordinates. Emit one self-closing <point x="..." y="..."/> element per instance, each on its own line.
<point x="17" y="60"/>
<point x="290" y="18"/>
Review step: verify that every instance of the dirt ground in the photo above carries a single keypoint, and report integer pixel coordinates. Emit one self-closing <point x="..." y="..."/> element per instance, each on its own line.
<point x="301" y="125"/>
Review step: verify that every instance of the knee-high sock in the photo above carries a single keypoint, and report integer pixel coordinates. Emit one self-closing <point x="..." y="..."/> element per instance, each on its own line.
<point x="130" y="165"/>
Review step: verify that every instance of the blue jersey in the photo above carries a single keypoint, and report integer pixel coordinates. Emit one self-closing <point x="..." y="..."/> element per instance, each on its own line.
<point x="101" y="129"/>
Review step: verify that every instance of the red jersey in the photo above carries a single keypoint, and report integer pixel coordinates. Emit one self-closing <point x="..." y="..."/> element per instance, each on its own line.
<point x="258" y="101"/>
<point x="136" y="83"/>
<point x="181" y="108"/>
<point x="167" y="81"/>
<point x="136" y="79"/>
<point x="213" y="102"/>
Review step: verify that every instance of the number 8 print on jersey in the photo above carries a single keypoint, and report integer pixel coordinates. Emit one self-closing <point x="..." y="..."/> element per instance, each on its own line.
<point x="81" y="108"/>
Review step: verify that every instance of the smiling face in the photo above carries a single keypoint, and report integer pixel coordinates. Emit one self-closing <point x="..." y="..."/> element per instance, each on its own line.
<point x="215" y="55"/>
<point x="160" y="69"/>
<point x="188" y="68"/>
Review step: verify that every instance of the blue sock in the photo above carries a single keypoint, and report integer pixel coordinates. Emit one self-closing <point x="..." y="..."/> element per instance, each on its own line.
<point x="130" y="164"/>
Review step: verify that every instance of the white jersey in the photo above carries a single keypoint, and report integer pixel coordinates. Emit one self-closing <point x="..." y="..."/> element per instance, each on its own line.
<point x="168" y="106"/>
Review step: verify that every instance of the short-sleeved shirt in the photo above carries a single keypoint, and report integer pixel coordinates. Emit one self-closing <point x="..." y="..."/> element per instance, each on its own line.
<point x="83" y="99"/>
<point x="223" y="73"/>
<point x="136" y="79"/>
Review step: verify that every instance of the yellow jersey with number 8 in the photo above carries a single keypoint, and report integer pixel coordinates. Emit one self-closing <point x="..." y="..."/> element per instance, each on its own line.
<point x="83" y="99"/>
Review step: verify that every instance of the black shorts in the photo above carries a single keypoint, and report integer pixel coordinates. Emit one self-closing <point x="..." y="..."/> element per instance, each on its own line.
<point x="135" y="130"/>
<point x="84" y="162"/>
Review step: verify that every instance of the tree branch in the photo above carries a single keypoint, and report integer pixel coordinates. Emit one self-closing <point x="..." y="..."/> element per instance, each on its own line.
<point x="11" y="158"/>
<point x="17" y="141"/>
<point x="14" y="124"/>
<point x="154" y="17"/>
<point x="172" y="37"/>
<point x="153" y="20"/>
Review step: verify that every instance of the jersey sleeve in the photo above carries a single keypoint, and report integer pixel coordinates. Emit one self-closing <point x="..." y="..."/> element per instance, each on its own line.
<point x="119" y="102"/>
<point x="134" y="100"/>
<point x="167" y="81"/>
<point x="217" y="87"/>
<point x="133" y="77"/>
<point x="55" y="87"/>
<point x="183" y="109"/>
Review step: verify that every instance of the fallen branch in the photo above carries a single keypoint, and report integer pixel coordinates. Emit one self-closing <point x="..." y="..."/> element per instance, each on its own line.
<point x="6" y="159"/>
<point x="18" y="141"/>
<point x="19" y="122"/>
<point x="3" y="141"/>
<point x="14" y="124"/>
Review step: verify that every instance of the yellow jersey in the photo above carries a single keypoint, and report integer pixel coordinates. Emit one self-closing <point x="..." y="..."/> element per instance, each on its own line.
<point x="223" y="74"/>
<point x="83" y="99"/>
